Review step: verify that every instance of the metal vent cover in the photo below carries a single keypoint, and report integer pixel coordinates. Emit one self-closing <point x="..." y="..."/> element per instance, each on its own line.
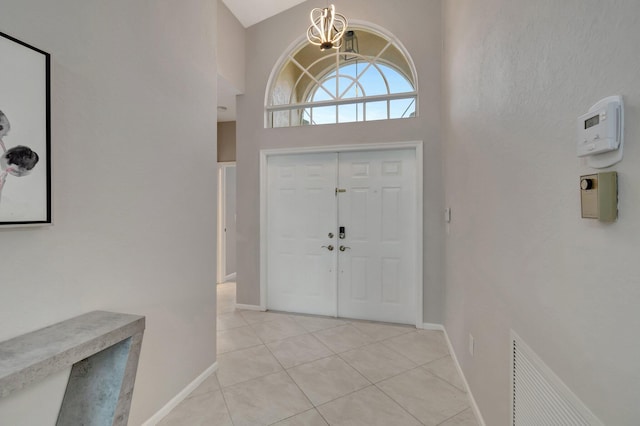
<point x="539" y="397"/>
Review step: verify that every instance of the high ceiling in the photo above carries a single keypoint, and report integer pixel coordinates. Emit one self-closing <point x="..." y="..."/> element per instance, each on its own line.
<point x="251" y="12"/>
<point x="248" y="12"/>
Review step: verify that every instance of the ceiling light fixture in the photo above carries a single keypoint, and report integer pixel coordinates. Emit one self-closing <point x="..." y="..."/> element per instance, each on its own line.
<point x="350" y="45"/>
<point x="327" y="28"/>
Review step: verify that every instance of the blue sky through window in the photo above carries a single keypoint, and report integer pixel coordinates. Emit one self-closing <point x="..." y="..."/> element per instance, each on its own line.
<point x="370" y="83"/>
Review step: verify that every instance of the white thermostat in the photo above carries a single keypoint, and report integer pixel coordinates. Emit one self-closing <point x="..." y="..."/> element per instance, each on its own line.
<point x="601" y="133"/>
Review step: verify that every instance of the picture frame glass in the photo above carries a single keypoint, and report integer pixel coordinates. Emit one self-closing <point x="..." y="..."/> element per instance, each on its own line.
<point x="25" y="184"/>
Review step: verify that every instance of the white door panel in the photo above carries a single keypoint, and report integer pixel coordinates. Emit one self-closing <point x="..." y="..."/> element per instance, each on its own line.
<point x="301" y="207"/>
<point x="374" y="278"/>
<point x="377" y="272"/>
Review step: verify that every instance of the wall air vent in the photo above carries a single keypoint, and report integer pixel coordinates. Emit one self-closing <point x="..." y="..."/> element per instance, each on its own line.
<point x="540" y="398"/>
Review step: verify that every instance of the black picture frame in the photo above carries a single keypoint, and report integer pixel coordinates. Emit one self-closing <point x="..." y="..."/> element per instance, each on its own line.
<point x="25" y="134"/>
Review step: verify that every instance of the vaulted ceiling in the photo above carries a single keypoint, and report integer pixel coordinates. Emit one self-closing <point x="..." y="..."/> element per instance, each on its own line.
<point x="250" y="12"/>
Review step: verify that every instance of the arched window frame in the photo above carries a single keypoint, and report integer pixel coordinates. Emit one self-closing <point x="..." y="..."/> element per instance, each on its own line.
<point x="288" y="56"/>
<point x="331" y="72"/>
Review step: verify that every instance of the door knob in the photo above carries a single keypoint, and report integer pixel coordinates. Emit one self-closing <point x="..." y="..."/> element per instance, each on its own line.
<point x="329" y="247"/>
<point x="343" y="248"/>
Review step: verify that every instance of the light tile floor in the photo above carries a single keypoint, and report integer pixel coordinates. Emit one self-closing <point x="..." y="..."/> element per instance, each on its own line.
<point x="286" y="369"/>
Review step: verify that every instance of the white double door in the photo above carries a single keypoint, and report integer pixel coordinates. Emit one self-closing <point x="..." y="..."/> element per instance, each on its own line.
<point x="367" y="273"/>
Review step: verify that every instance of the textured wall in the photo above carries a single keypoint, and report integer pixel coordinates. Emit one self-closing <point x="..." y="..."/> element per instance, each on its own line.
<point x="517" y="74"/>
<point x="134" y="153"/>
<point x="417" y="26"/>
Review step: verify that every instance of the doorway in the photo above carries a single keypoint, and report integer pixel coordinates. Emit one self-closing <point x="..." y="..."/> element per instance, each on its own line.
<point x="226" y="222"/>
<point x="342" y="232"/>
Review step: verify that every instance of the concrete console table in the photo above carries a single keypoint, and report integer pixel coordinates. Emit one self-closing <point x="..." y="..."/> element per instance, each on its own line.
<point x="102" y="347"/>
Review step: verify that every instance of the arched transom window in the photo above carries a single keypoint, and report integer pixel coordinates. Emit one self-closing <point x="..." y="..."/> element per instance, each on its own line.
<point x="370" y="78"/>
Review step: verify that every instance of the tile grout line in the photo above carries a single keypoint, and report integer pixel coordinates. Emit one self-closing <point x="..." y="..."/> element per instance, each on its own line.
<point x="371" y="381"/>
<point x="419" y="365"/>
<point x="347" y="350"/>
<point x="423" y="366"/>
<point x="455" y="415"/>
<point x="397" y="351"/>
<point x="306" y="362"/>
<point x="277" y="360"/>
<point x="430" y="373"/>
<point x="342" y="396"/>
<point x="253" y="378"/>
<point x="238" y="350"/>
<point x="278" y="340"/>
<point x="386" y="338"/>
<point x="224" y="398"/>
<point x="306" y="411"/>
<point x="339" y="355"/>
<point x="294" y="382"/>
<point x="398" y="403"/>
<point x="444" y="380"/>
<point x="230" y="328"/>
<point x="334" y="354"/>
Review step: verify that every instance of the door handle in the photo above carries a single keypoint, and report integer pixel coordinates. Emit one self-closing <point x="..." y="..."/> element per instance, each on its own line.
<point x="329" y="247"/>
<point x="343" y="248"/>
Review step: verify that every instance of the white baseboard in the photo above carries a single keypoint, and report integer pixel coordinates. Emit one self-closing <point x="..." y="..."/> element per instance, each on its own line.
<point x="474" y="405"/>
<point x="429" y="326"/>
<point x="249" y="307"/>
<point x="173" y="403"/>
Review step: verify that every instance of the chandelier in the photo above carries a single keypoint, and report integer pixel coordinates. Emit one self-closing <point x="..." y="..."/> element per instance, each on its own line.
<point x="327" y="28"/>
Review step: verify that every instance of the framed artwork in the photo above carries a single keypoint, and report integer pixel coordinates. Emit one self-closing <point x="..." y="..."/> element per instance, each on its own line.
<point x="25" y="134"/>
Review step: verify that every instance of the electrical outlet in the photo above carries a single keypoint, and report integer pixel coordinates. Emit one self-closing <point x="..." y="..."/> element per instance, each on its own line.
<point x="472" y="344"/>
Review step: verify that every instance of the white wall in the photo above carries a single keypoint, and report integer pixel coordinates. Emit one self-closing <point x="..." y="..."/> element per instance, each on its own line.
<point x="134" y="154"/>
<point x="417" y="26"/>
<point x="231" y="46"/>
<point x="517" y="74"/>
